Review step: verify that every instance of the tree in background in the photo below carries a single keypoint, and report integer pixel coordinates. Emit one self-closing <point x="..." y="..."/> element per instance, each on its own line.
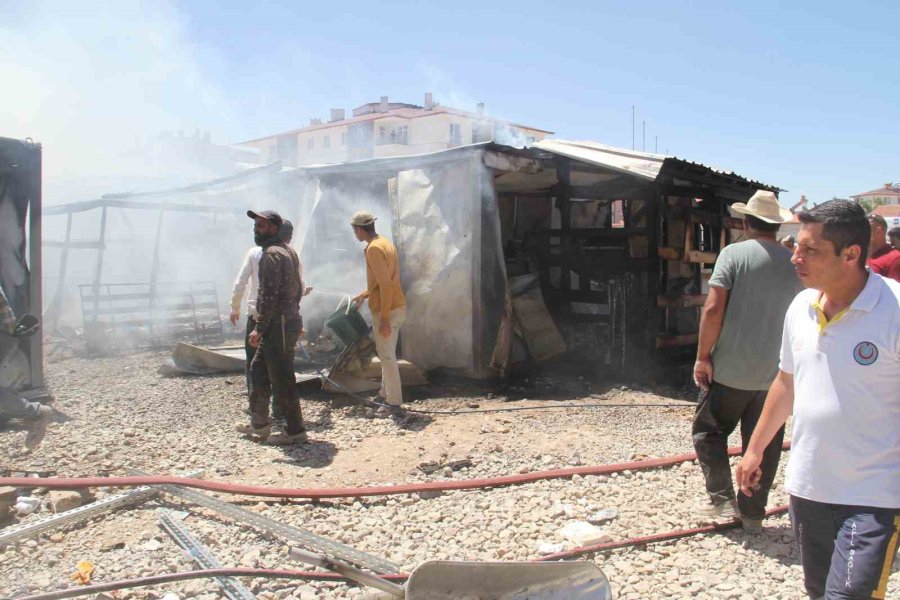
<point x="870" y="205"/>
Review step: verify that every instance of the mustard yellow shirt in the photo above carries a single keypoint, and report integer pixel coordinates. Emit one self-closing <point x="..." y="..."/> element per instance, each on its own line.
<point x="383" y="278"/>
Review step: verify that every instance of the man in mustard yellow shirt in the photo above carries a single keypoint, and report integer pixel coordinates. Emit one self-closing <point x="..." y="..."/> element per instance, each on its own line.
<point x="386" y="302"/>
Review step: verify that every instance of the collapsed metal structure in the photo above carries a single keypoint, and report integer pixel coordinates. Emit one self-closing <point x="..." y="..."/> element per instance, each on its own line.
<point x="621" y="244"/>
<point x="507" y="255"/>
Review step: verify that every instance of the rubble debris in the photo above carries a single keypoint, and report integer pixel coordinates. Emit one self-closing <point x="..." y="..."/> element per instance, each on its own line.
<point x="582" y="533"/>
<point x="7" y="500"/>
<point x="358" y="370"/>
<point x="84" y="570"/>
<point x="63" y="500"/>
<point x="603" y="516"/>
<point x="25" y="505"/>
<point x="188" y="359"/>
<point x="547" y="548"/>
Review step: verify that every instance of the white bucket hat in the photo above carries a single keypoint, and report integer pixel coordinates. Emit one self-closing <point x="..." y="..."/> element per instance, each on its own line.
<point x="764" y="206"/>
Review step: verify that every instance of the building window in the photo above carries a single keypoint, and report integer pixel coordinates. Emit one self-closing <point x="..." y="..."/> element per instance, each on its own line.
<point x="455" y="133"/>
<point x="326" y="142"/>
<point x="343" y="139"/>
<point x="310" y="143"/>
<point x="394" y="135"/>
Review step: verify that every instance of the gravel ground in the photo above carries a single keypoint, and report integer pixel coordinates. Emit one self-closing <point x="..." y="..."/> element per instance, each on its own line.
<point x="116" y="413"/>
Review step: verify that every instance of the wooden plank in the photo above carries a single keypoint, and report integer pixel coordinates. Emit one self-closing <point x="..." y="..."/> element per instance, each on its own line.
<point x="688" y="242"/>
<point x="125" y="310"/>
<point x="673" y="341"/>
<point x="696" y="256"/>
<point x="669" y="253"/>
<point x="685" y="301"/>
<point x="145" y="322"/>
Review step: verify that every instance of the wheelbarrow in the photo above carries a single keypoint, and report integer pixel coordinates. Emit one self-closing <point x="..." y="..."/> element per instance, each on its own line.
<point x="472" y="580"/>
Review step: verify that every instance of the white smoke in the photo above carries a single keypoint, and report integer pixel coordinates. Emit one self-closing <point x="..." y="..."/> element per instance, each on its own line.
<point x="94" y="85"/>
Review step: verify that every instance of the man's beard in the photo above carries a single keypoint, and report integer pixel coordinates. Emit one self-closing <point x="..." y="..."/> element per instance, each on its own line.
<point x="265" y="240"/>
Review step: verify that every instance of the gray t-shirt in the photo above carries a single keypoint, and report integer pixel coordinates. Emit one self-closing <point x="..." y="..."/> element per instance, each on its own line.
<point x="762" y="283"/>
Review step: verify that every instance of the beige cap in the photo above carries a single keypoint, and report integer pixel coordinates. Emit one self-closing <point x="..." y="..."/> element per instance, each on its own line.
<point x="361" y="218"/>
<point x="764" y="206"/>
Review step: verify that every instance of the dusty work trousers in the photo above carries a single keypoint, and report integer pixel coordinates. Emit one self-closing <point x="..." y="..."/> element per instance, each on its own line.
<point x="386" y="348"/>
<point x="12" y="405"/>
<point x="272" y="369"/>
<point x="250" y="352"/>
<point x="718" y="413"/>
<point x="846" y="551"/>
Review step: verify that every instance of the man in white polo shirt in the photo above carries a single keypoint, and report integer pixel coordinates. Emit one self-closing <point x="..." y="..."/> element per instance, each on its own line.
<point x="840" y="376"/>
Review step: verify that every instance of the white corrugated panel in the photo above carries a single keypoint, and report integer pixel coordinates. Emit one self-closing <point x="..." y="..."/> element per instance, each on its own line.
<point x="640" y="164"/>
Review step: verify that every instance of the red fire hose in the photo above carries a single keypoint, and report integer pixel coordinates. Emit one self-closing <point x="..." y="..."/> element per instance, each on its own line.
<point x="64" y="483"/>
<point x="200" y="574"/>
<point x="397" y="577"/>
<point x="649" y="539"/>
<point x="82" y="482"/>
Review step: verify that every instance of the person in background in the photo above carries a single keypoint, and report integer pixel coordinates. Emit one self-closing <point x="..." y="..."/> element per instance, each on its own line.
<point x="275" y="334"/>
<point x="35" y="415"/>
<point x="752" y="285"/>
<point x="386" y="302"/>
<point x="840" y="377"/>
<point x="788" y="242"/>
<point x="248" y="280"/>
<point x="894" y="236"/>
<point x="883" y="259"/>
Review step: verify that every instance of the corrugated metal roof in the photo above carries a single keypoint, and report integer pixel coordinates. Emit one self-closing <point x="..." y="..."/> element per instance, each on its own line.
<point x="646" y="165"/>
<point x="640" y="164"/>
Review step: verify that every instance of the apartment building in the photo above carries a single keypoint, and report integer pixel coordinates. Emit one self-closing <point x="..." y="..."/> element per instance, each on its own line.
<point x="888" y="194"/>
<point x="384" y="128"/>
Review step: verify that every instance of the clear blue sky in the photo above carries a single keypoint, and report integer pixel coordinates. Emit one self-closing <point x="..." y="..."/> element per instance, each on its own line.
<point x="804" y="95"/>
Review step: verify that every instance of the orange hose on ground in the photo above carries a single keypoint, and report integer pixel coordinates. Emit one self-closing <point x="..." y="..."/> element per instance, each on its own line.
<point x="66" y="483"/>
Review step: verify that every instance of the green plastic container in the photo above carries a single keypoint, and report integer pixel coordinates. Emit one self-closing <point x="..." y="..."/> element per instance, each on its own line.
<point x="347" y="323"/>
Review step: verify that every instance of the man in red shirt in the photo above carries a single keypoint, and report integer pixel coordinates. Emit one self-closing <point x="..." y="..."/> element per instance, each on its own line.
<point x="883" y="259"/>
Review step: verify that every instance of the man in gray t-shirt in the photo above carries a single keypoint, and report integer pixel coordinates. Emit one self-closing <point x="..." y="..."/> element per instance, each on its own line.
<point x="752" y="285"/>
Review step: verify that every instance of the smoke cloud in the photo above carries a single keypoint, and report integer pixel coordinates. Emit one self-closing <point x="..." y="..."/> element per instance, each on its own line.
<point x="95" y="85"/>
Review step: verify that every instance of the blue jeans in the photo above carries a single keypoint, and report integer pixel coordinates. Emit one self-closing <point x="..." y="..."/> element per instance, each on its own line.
<point x="846" y="551"/>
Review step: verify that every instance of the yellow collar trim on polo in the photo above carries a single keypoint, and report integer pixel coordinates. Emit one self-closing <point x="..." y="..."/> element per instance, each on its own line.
<point x="821" y="319"/>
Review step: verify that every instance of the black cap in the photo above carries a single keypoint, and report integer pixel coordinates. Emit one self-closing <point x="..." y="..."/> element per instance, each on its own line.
<point x="269" y="215"/>
<point x="286" y="230"/>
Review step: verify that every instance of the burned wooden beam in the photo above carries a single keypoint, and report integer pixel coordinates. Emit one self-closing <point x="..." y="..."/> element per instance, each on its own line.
<point x="685" y="301"/>
<point x="673" y="341"/>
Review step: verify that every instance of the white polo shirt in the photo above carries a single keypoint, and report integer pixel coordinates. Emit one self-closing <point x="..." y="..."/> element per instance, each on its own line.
<point x="845" y="447"/>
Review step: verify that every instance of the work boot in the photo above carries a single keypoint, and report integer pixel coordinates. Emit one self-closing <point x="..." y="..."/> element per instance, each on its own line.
<point x="37" y="427"/>
<point x="283" y="438"/>
<point x="721" y="510"/>
<point x="389" y="410"/>
<point x="261" y="432"/>
<point x="751" y="525"/>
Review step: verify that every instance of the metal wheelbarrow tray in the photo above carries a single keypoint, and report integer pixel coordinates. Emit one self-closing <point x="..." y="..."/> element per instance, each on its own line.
<point x="440" y="580"/>
<point x="472" y="580"/>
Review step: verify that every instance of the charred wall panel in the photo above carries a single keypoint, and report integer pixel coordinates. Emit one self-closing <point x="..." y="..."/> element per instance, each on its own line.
<point x="20" y="201"/>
